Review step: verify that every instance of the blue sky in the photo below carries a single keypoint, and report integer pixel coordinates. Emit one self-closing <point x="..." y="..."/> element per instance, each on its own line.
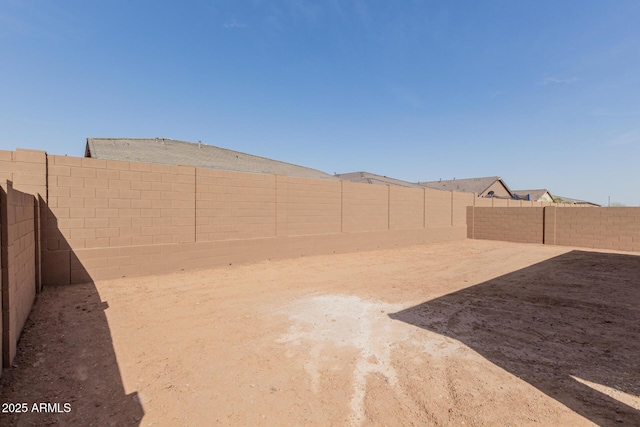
<point x="545" y="94"/>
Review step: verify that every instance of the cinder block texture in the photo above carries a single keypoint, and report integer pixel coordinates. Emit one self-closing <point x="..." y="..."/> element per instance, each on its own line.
<point x="56" y="269"/>
<point x="117" y="204"/>
<point x="566" y="225"/>
<point x="485" y="202"/>
<point x="438" y="208"/>
<point x="233" y="205"/>
<point x="307" y="206"/>
<point x="550" y="225"/>
<point x="600" y="228"/>
<point x="110" y="219"/>
<point x="406" y="208"/>
<point x="105" y="263"/>
<point x="30" y="171"/>
<point x="460" y="203"/>
<point x="524" y="225"/>
<point x="104" y="218"/>
<point x="365" y="207"/>
<point x="27" y="170"/>
<point x="18" y="260"/>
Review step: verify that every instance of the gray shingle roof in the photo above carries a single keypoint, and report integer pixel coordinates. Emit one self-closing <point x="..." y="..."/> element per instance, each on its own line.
<point x="535" y="194"/>
<point x="372" y="178"/>
<point x="171" y="152"/>
<point x="467" y="185"/>
<point x="574" y="201"/>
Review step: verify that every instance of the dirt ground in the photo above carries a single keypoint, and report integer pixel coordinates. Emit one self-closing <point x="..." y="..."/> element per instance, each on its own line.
<point x="459" y="333"/>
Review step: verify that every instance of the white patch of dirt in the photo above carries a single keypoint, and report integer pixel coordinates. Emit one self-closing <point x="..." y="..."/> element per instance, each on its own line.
<point x="325" y="321"/>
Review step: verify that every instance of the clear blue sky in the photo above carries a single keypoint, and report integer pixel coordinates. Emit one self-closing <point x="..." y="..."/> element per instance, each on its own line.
<point x="545" y="94"/>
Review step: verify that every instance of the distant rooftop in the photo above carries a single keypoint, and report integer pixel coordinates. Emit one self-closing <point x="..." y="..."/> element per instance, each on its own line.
<point x="468" y="185"/>
<point x="372" y="178"/>
<point x="535" y="194"/>
<point x="172" y="152"/>
<point x="562" y="199"/>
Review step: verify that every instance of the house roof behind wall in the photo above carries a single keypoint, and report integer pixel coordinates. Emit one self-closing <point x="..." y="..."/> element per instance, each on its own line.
<point x="535" y="194"/>
<point x="467" y="185"/>
<point x="372" y="178"/>
<point x="572" y="201"/>
<point x="172" y="152"/>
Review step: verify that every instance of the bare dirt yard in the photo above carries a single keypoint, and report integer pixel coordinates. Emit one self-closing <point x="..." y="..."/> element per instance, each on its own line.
<point x="460" y="333"/>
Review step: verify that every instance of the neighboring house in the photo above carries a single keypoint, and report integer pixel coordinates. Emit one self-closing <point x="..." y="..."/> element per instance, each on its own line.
<point x="533" y="195"/>
<point x="569" y="200"/>
<point x="371" y="178"/>
<point x="171" y="152"/>
<point x="491" y="186"/>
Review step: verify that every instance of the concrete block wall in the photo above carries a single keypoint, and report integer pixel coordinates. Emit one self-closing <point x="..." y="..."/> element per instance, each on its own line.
<point x="484" y="202"/>
<point x="101" y="203"/>
<point x="549" y="228"/>
<point x="406" y="208"/>
<point x="524" y="225"/>
<point x="365" y="207"/>
<point x="26" y="169"/>
<point x="97" y="203"/>
<point x="6" y="166"/>
<point x="231" y="205"/>
<point x="459" y="204"/>
<point x="438" y="208"/>
<point x="566" y="225"/>
<point x="110" y="219"/>
<point x="18" y="215"/>
<point x="308" y="206"/>
<point x="103" y="219"/>
<point x="600" y="228"/>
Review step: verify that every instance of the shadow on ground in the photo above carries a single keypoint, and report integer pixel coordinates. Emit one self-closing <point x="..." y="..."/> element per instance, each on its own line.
<point x="66" y="355"/>
<point x="66" y="363"/>
<point x="571" y="318"/>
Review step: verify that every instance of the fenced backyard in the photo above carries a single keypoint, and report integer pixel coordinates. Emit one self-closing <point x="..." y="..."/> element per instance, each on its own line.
<point x="474" y="332"/>
<point x="330" y="302"/>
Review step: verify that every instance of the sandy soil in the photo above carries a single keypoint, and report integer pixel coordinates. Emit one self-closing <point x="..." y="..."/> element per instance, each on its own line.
<point x="460" y="333"/>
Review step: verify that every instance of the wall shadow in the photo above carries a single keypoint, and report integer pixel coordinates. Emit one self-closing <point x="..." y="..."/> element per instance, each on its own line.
<point x="66" y="356"/>
<point x="575" y="315"/>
